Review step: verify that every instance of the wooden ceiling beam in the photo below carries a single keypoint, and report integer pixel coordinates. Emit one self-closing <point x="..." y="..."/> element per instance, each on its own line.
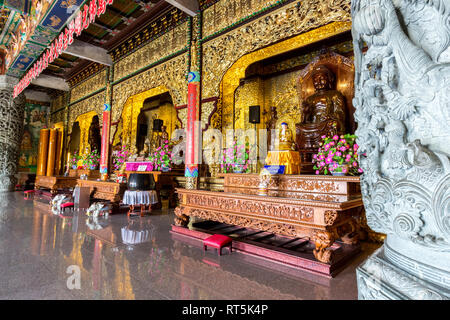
<point x="52" y="82"/>
<point x="89" y="52"/>
<point x="191" y="7"/>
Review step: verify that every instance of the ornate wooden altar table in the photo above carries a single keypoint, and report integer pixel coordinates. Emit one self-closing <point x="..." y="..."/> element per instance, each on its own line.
<point x="163" y="180"/>
<point x="310" y="187"/>
<point x="93" y="174"/>
<point x="105" y="190"/>
<point x="54" y="183"/>
<point x="322" y="209"/>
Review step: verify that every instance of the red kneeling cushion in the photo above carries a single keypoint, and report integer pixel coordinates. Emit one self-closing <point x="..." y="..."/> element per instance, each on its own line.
<point x="67" y="204"/>
<point x="29" y="191"/>
<point x="217" y="241"/>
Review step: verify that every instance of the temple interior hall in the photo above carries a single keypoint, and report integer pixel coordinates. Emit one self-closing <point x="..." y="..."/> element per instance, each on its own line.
<point x="224" y="150"/>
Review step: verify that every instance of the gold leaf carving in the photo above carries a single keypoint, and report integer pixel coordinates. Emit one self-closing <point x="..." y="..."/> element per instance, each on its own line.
<point x="170" y="74"/>
<point x="161" y="47"/>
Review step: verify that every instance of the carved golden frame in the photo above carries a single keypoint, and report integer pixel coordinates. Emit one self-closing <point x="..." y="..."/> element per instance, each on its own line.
<point x="232" y="76"/>
<point x="131" y="110"/>
<point x="344" y="78"/>
<point x="85" y="121"/>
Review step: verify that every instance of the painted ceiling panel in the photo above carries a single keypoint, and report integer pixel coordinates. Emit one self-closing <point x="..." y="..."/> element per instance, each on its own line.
<point x="43" y="33"/>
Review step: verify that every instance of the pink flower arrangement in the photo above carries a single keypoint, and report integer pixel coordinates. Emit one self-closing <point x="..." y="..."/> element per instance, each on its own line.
<point x="73" y="162"/>
<point x="236" y="158"/>
<point x="119" y="157"/>
<point x="161" y="159"/>
<point x="337" y="154"/>
<point x="90" y="159"/>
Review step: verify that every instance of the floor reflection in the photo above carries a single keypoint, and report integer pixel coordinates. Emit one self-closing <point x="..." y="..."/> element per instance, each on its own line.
<point x="137" y="258"/>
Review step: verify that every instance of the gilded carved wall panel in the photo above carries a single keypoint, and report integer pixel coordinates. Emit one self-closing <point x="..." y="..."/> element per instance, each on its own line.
<point x="171" y="74"/>
<point x="207" y="109"/>
<point x="281" y="92"/>
<point x="94" y="103"/>
<point x="85" y="121"/>
<point x="182" y="116"/>
<point x="58" y="103"/>
<point x="93" y="84"/>
<point x="220" y="53"/>
<point x="224" y="13"/>
<point x="170" y="42"/>
<point x="59" y="116"/>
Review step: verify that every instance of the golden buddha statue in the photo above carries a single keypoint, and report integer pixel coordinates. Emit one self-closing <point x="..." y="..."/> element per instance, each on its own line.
<point x="164" y="136"/>
<point x="286" y="155"/>
<point x="146" y="149"/>
<point x="286" y="138"/>
<point x="323" y="113"/>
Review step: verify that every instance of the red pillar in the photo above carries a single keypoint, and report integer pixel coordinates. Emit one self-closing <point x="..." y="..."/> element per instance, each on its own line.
<point x="193" y="129"/>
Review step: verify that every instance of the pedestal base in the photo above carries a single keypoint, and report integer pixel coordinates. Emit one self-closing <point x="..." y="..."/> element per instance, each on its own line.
<point x="7" y="183"/>
<point x="380" y="279"/>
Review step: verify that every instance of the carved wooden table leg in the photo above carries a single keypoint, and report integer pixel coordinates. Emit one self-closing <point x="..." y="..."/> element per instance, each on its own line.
<point x="181" y="219"/>
<point x="172" y="198"/>
<point x="130" y="211"/>
<point x="172" y="195"/>
<point x="323" y="240"/>
<point x="158" y="193"/>
<point x="349" y="233"/>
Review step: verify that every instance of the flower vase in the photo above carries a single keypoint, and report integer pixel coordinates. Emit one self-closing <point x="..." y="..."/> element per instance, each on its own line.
<point x="342" y="172"/>
<point x="238" y="168"/>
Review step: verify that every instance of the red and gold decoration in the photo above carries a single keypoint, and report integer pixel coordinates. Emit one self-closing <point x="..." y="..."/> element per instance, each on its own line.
<point x="80" y="22"/>
<point x="104" y="157"/>
<point x="193" y="128"/>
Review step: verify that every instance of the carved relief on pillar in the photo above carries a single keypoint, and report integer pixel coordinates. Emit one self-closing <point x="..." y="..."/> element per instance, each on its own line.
<point x="11" y="129"/>
<point x="402" y="106"/>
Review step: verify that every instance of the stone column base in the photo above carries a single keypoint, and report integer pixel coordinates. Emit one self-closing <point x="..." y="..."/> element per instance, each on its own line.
<point x="7" y="183"/>
<point x="379" y="279"/>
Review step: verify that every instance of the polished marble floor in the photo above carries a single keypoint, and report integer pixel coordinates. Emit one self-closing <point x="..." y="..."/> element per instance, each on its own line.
<point x="39" y="253"/>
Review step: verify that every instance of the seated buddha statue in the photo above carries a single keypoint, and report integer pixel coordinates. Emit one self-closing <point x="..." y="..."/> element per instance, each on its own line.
<point x="285" y="155"/>
<point x="323" y="113"/>
<point x="286" y="138"/>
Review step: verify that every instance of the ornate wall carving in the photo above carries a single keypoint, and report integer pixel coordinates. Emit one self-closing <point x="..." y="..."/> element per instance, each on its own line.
<point x="59" y="116"/>
<point x="402" y="105"/>
<point x="182" y="116"/>
<point x="11" y="129"/>
<point x="171" y="74"/>
<point x="94" y="103"/>
<point x="220" y="53"/>
<point x="161" y="47"/>
<point x="88" y="86"/>
<point x="224" y="13"/>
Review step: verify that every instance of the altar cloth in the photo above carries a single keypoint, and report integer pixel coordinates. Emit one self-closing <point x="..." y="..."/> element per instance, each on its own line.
<point x="289" y="159"/>
<point x="139" y="166"/>
<point x="140" y="197"/>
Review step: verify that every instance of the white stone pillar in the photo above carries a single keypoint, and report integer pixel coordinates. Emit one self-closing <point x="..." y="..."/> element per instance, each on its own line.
<point x="402" y="102"/>
<point x="11" y="130"/>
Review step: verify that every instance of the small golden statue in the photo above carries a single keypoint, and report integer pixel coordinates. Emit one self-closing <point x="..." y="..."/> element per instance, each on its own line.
<point x="264" y="179"/>
<point x="154" y="143"/>
<point x="286" y="155"/>
<point x="164" y="136"/>
<point x="146" y="150"/>
<point x="133" y="153"/>
<point x="286" y="138"/>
